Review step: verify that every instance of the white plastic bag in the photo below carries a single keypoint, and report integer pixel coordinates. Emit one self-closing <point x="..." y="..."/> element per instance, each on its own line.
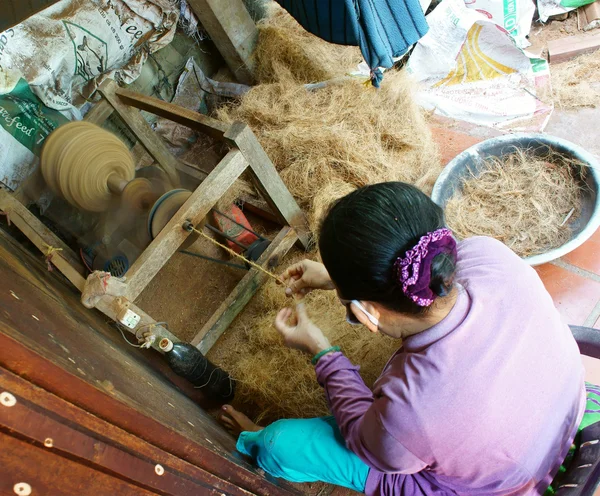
<point x="470" y="69"/>
<point x="49" y="56"/>
<point x="74" y="41"/>
<point x="513" y="15"/>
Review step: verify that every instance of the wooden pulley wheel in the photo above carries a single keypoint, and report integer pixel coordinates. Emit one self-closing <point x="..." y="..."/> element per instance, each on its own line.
<point x="164" y="209"/>
<point x="86" y="165"/>
<point x="139" y="194"/>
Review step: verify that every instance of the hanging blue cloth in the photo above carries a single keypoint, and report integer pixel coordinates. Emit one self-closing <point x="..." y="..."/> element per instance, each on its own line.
<point x="383" y="29"/>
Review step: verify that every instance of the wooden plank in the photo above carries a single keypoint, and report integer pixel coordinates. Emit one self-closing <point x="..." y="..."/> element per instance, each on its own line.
<point x="572" y="46"/>
<point x="99" y="112"/>
<point x="233" y="32"/>
<point x="268" y="182"/>
<point x="202" y="443"/>
<point x="102" y="447"/>
<point x="134" y="120"/>
<point x="65" y="260"/>
<point x="47" y="473"/>
<point x="175" y="113"/>
<point x="243" y="292"/>
<point x="47" y="337"/>
<point x="194" y="209"/>
<point x="256" y="205"/>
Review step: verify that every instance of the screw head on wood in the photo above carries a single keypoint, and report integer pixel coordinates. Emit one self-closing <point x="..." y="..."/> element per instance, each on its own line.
<point x="48" y="442"/>
<point x="159" y="469"/>
<point x="7" y="399"/>
<point x="22" y="489"/>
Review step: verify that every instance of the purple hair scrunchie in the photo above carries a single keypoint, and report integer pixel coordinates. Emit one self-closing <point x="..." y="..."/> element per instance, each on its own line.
<point x="413" y="271"/>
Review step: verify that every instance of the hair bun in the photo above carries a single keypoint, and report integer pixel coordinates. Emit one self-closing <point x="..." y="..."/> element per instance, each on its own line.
<point x="443" y="268"/>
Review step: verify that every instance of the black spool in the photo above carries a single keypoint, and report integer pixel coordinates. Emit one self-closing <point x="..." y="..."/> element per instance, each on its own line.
<point x="188" y="362"/>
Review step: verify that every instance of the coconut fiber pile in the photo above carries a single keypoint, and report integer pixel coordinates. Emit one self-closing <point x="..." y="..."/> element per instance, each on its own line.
<point x="327" y="141"/>
<point x="277" y="382"/>
<point x="324" y="142"/>
<point x="526" y="202"/>
<point x="576" y="83"/>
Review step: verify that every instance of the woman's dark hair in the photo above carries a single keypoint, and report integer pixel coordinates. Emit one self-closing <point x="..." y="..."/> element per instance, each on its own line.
<point x="366" y="231"/>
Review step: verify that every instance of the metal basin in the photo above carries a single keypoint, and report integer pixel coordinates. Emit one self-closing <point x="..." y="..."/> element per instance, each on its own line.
<point x="474" y="158"/>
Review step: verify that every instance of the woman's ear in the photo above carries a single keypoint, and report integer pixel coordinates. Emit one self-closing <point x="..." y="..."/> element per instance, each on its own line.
<point x="363" y="318"/>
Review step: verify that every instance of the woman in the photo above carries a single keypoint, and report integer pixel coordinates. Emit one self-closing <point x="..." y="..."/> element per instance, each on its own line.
<point x="484" y="398"/>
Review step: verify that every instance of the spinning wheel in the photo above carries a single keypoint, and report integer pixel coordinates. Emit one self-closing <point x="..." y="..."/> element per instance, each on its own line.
<point x="86" y="165"/>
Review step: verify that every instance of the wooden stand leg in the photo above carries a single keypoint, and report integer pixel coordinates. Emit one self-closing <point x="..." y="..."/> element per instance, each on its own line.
<point x="65" y="259"/>
<point x="267" y="180"/>
<point x="134" y="120"/>
<point x="194" y="209"/>
<point x="99" y="113"/>
<point x="245" y="289"/>
<point x="232" y="30"/>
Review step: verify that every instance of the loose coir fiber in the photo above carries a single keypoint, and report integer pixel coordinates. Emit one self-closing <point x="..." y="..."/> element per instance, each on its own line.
<point x="324" y="143"/>
<point x="277" y="382"/>
<point x="576" y="83"/>
<point x="526" y="202"/>
<point x="328" y="141"/>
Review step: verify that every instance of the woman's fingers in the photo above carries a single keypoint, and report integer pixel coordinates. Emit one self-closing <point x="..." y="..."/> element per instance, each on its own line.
<point x="301" y="314"/>
<point x="292" y="272"/>
<point x="297" y="287"/>
<point x="281" y="321"/>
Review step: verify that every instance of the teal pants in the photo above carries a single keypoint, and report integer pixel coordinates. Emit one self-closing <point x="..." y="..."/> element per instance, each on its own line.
<point x="312" y="450"/>
<point x="305" y="450"/>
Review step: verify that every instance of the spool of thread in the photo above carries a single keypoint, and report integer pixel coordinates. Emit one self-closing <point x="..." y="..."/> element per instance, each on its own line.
<point x="188" y="362"/>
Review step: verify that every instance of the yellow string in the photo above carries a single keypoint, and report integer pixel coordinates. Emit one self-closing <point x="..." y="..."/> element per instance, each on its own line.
<point x="237" y="255"/>
<point x="50" y="250"/>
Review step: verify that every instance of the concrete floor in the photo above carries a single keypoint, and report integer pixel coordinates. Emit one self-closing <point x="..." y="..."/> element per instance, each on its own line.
<point x="582" y="127"/>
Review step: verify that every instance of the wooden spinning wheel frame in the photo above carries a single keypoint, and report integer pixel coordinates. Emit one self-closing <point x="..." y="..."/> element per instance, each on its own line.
<point x="245" y="154"/>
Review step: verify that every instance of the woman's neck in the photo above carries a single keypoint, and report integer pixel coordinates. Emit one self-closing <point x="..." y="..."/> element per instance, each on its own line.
<point x="410" y="325"/>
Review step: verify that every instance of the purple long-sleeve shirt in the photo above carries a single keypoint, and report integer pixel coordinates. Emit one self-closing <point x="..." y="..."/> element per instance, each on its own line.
<point x="487" y="402"/>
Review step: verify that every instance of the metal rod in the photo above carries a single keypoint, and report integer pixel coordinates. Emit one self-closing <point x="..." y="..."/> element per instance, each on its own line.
<point x="216" y="260"/>
<point x="116" y="184"/>
<point x="221" y="233"/>
<point x="236" y="222"/>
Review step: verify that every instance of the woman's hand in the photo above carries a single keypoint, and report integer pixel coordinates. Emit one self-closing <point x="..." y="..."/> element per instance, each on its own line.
<point x="299" y="332"/>
<point x="303" y="277"/>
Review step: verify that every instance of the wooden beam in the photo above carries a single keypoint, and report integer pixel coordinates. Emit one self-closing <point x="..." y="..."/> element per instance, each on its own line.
<point x="99" y="112"/>
<point x="268" y="182"/>
<point x="175" y="113"/>
<point x="65" y="260"/>
<point x="97" y="447"/>
<point x="136" y="123"/>
<point x="233" y="32"/>
<point x="567" y="48"/>
<point x="194" y="209"/>
<point x="243" y="292"/>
